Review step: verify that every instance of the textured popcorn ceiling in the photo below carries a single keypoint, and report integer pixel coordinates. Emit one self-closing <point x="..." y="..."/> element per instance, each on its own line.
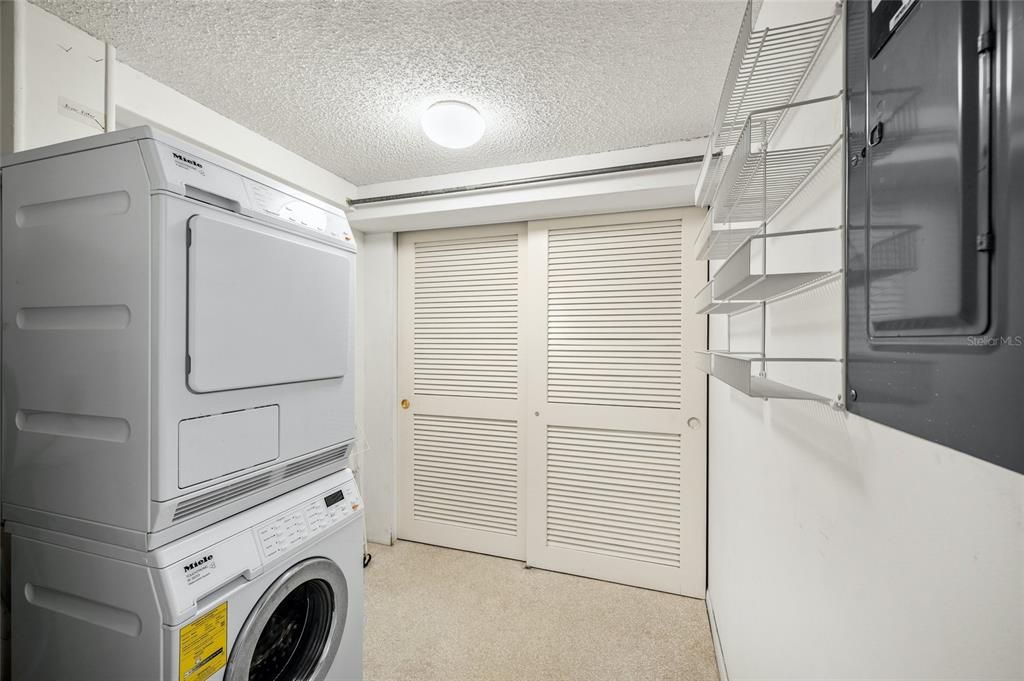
<point x="344" y="83"/>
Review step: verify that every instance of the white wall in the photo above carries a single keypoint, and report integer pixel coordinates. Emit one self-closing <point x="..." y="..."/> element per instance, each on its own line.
<point x="6" y="76"/>
<point x="377" y="319"/>
<point x="58" y="93"/>
<point x="843" y="549"/>
<point x="49" y="108"/>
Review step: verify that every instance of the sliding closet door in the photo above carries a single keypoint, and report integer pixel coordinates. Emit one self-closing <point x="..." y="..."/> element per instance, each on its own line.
<point x="616" y="440"/>
<point x="461" y="372"/>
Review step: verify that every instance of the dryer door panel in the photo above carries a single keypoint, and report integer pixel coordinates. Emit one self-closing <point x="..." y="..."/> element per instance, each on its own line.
<point x="263" y="308"/>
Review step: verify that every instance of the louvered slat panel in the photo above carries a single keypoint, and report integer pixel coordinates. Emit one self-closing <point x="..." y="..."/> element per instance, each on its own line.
<point x="466" y="319"/>
<point x="465" y="472"/>
<point x="614" y="492"/>
<point x="614" y="324"/>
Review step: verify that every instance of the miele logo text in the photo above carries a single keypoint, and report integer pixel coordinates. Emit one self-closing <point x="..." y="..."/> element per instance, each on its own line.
<point x="196" y="563"/>
<point x="185" y="159"/>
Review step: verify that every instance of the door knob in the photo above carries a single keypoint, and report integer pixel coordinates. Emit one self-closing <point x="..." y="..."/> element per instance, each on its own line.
<point x="405" y="404"/>
<point x="693" y="422"/>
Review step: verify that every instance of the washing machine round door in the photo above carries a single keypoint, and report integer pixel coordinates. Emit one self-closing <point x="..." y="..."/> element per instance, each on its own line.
<point x="294" y="631"/>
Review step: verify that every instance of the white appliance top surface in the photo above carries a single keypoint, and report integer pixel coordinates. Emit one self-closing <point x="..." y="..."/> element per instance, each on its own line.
<point x="93" y="142"/>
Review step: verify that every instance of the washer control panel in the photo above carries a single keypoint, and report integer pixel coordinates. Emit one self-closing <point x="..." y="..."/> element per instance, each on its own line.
<point x="308" y="519"/>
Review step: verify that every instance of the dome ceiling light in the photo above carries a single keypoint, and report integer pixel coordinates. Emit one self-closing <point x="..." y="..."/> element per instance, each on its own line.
<point x="453" y="124"/>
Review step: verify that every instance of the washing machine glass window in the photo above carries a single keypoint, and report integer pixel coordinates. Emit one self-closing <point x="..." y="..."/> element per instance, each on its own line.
<point x="294" y="631"/>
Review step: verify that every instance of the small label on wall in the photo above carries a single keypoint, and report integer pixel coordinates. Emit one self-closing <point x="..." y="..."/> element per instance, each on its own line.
<point x="80" y="112"/>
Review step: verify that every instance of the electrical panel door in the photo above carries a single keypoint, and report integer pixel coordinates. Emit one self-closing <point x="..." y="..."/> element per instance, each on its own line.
<point x="935" y="293"/>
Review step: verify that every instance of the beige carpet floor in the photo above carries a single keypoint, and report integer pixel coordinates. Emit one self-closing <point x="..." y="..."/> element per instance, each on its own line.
<point x="435" y="614"/>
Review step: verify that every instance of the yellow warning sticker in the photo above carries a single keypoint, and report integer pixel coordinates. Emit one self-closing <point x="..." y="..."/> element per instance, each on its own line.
<point x="204" y="645"/>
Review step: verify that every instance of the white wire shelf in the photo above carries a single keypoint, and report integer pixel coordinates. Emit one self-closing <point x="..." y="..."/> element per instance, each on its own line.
<point x="768" y="67"/>
<point x="757" y="185"/>
<point x="708" y="303"/>
<point x="747" y="372"/>
<point x="780" y="152"/>
<point x="718" y="244"/>
<point x="710" y="175"/>
<point x="767" y="160"/>
<point x="746" y="273"/>
<point x="746" y="278"/>
<point x="764" y="171"/>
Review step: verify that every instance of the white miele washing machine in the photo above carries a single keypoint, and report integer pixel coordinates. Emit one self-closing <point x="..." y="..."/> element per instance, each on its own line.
<point x="177" y="338"/>
<point x="272" y="594"/>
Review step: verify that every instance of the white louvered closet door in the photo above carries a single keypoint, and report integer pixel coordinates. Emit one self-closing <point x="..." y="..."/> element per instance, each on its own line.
<point x="461" y="369"/>
<point x="616" y="450"/>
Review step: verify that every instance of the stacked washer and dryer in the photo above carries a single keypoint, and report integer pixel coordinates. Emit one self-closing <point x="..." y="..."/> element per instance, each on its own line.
<point x="177" y="419"/>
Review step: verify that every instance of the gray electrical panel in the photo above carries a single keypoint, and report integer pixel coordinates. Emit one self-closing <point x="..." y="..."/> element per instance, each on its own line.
<point x="935" y="193"/>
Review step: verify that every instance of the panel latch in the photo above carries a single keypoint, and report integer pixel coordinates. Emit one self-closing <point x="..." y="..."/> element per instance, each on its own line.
<point x="985" y="242"/>
<point x="876" y="134"/>
<point x="986" y="41"/>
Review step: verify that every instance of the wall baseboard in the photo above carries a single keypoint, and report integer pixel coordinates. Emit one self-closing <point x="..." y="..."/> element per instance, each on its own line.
<point x="723" y="673"/>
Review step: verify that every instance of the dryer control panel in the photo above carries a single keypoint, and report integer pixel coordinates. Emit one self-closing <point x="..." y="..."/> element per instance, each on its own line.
<point x="269" y="201"/>
<point x="298" y="524"/>
<point x="219" y="182"/>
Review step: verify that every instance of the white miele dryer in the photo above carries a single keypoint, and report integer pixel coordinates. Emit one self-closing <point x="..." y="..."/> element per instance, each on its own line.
<point x="177" y="338"/>
<point x="272" y="594"/>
